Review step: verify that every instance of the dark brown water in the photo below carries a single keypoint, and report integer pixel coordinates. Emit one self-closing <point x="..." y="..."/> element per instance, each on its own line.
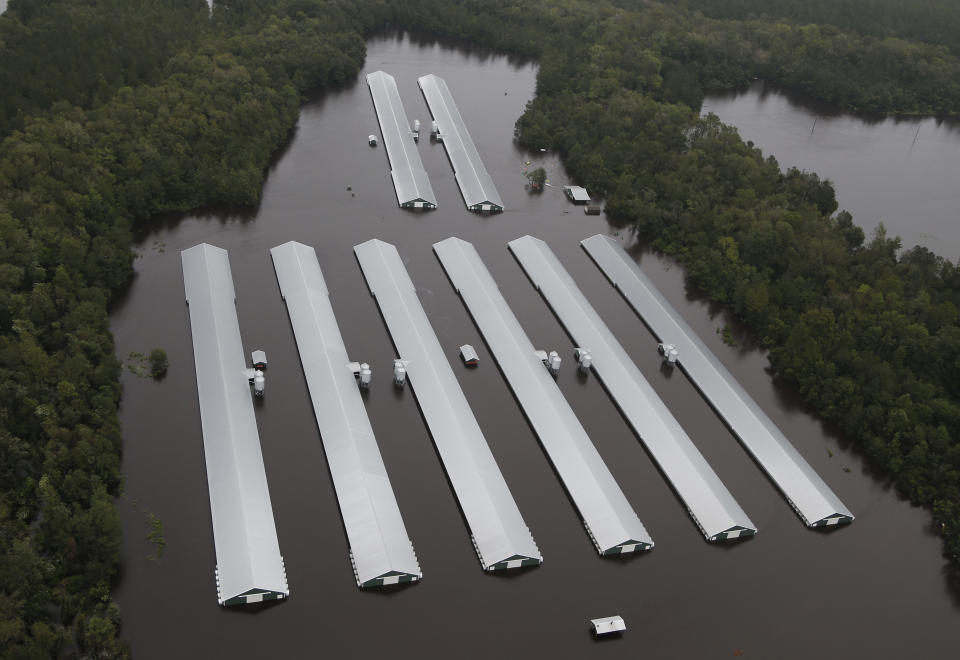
<point x="875" y="589"/>
<point x="901" y="172"/>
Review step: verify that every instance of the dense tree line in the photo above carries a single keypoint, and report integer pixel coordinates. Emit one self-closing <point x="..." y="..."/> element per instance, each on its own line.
<point x="73" y="180"/>
<point x="929" y="21"/>
<point x="99" y="137"/>
<point x="83" y="51"/>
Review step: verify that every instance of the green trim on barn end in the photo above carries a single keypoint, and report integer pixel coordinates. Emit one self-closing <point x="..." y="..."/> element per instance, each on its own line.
<point x="626" y="547"/>
<point x="515" y="561"/>
<point x="253" y="596"/>
<point x="833" y="520"/>
<point x="734" y="534"/>
<point x="418" y="203"/>
<point x="486" y="207"/>
<point x="389" y="578"/>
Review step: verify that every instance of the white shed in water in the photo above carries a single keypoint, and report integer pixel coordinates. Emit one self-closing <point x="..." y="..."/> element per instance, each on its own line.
<point x="608" y="625"/>
<point x="577" y="194"/>
<point x="469" y="355"/>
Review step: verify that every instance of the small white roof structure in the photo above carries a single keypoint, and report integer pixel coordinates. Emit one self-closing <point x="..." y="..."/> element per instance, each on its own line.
<point x="608" y="624"/>
<point x="711" y="505"/>
<point x="500" y="535"/>
<point x="249" y="566"/>
<point x="469" y="354"/>
<point x="577" y="193"/>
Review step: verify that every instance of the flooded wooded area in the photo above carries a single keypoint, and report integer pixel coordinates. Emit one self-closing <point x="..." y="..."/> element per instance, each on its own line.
<point x="876" y="588"/>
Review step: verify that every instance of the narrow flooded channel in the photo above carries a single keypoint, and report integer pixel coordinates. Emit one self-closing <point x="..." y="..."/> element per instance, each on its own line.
<point x="898" y="171"/>
<point x="873" y="589"/>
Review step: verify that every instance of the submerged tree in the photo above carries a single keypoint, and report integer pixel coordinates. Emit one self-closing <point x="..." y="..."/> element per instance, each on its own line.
<point x="537" y="178"/>
<point x="158" y="363"/>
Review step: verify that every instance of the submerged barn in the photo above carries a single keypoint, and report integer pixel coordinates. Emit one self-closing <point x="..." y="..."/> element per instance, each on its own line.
<point x="475" y="183"/>
<point x="608" y="517"/>
<point x="249" y="566"/>
<point x="804" y="489"/>
<point x="406" y="169"/>
<point x="500" y="535"/>
<point x="711" y="505"/>
<point x="380" y="549"/>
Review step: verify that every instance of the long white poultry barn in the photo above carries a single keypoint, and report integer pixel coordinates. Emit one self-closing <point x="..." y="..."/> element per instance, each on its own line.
<point x="410" y="180"/>
<point x="611" y="522"/>
<point x="500" y="535"/>
<point x="803" y="488"/>
<point x="380" y="549"/>
<point x="249" y="566"/>
<point x="475" y="183"/>
<point x="708" y="501"/>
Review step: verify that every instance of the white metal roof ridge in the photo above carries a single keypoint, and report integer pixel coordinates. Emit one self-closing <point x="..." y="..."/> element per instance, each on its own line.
<point x="249" y="565"/>
<point x="500" y="535"/>
<point x="710" y="504"/>
<point x="475" y="182"/>
<point x="611" y="521"/>
<point x="406" y="168"/>
<point x="804" y="489"/>
<point x="379" y="545"/>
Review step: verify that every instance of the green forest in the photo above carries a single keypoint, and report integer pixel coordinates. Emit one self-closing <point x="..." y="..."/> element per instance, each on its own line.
<point x="113" y="112"/>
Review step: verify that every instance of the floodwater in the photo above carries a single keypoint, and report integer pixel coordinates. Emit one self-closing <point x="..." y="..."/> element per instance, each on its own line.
<point x="874" y="589"/>
<point x="898" y="171"/>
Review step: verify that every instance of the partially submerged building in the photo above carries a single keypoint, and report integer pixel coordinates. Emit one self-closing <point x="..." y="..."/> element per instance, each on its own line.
<point x="406" y="169"/>
<point x="249" y="566"/>
<point x="611" y="523"/>
<point x="475" y="183"/>
<point x="380" y="549"/>
<point x="577" y="194"/>
<point x="803" y="488"/>
<point x="711" y="505"/>
<point x="499" y="534"/>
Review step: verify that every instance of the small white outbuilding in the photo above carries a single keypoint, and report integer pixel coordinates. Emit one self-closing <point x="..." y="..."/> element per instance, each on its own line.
<point x="608" y="625"/>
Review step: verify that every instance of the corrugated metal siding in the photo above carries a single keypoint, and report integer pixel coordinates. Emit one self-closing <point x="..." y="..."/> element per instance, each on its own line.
<point x="610" y="520"/>
<point x="498" y="530"/>
<point x="409" y="178"/>
<point x="249" y="565"/>
<point x="379" y="545"/>
<point x="711" y="505"/>
<point x="477" y="187"/>
<point x="804" y="489"/>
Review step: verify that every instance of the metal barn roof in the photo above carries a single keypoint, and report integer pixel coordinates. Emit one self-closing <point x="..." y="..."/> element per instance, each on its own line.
<point x="379" y="546"/>
<point x="710" y="503"/>
<point x="499" y="533"/>
<point x="477" y="187"/>
<point x="610" y="520"/>
<point x="249" y="565"/>
<point x="801" y="485"/>
<point x="577" y="193"/>
<point x="409" y="178"/>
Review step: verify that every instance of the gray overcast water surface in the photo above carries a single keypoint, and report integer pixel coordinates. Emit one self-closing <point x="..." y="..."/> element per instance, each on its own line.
<point x="875" y="589"/>
<point x="898" y="171"/>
